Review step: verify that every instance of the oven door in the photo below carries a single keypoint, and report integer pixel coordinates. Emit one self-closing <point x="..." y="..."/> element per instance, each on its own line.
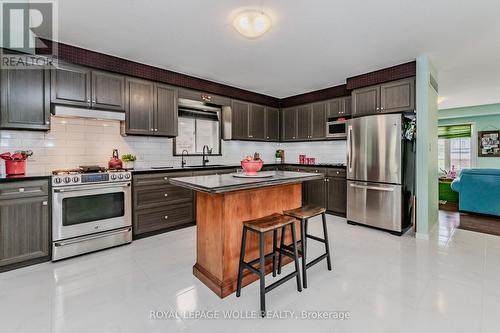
<point x="87" y="209"/>
<point x="336" y="129"/>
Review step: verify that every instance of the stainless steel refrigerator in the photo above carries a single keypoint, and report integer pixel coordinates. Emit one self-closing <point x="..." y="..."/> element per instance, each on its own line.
<point x="380" y="172"/>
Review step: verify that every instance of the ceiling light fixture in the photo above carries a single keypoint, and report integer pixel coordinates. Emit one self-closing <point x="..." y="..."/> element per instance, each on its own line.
<point x="252" y="23"/>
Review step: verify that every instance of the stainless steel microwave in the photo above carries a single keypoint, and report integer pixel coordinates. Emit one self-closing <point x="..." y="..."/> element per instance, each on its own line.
<point x="336" y="128"/>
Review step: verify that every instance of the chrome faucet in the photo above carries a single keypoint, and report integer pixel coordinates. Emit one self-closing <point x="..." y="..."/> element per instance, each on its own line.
<point x="205" y="159"/>
<point x="183" y="162"/>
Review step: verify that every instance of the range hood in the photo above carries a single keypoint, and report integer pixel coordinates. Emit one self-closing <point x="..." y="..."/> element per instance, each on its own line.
<point x="68" y="111"/>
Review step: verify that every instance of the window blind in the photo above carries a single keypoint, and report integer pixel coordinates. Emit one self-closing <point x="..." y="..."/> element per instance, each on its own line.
<point x="454" y="131"/>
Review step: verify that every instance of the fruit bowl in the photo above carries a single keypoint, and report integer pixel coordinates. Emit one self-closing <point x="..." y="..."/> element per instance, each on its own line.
<point x="251" y="167"/>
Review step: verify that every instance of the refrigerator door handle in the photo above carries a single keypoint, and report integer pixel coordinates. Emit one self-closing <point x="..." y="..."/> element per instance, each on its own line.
<point x="387" y="189"/>
<point x="350" y="153"/>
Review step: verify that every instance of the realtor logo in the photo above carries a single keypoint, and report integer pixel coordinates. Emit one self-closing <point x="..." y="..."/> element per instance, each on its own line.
<point x="23" y="23"/>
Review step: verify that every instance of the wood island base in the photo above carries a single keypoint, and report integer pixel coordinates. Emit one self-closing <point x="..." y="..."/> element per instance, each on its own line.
<point x="219" y="220"/>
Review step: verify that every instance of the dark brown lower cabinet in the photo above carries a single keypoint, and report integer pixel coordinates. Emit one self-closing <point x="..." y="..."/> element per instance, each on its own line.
<point x="337" y="195"/>
<point x="24" y="225"/>
<point x="314" y="192"/>
<point x="159" y="206"/>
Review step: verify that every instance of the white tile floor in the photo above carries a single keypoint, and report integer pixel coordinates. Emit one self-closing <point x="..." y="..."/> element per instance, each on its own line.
<point x="450" y="283"/>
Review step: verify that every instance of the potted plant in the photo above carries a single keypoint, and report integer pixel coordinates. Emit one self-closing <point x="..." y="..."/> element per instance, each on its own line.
<point x="128" y="160"/>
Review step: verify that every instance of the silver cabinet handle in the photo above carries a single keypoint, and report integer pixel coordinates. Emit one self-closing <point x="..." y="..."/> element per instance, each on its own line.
<point x="93" y="101"/>
<point x="166" y="217"/>
<point x="152" y="130"/>
<point x="45" y="203"/>
<point x="165" y="178"/>
<point x="386" y="189"/>
<point x="165" y="195"/>
<point x="21" y="189"/>
<point x="88" y="100"/>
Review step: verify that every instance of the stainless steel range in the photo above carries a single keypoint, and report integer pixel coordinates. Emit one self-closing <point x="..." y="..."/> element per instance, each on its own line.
<point x="91" y="210"/>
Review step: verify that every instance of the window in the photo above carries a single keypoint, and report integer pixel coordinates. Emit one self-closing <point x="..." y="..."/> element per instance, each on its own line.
<point x="454" y="147"/>
<point x="197" y="129"/>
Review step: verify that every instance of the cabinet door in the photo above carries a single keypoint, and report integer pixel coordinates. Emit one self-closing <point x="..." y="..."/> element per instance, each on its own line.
<point x="165" y="110"/>
<point x="337" y="195"/>
<point x="256" y="125"/>
<point x="24" y="229"/>
<point x="272" y="124"/>
<point x="108" y="91"/>
<point x="347" y="106"/>
<point x="335" y="108"/>
<point x="397" y="96"/>
<point x="239" y="123"/>
<point x="304" y="122"/>
<point x="366" y="101"/>
<point x="289" y="124"/>
<point x="139" y="107"/>
<point x="70" y="85"/>
<point x="318" y="120"/>
<point x="314" y="192"/>
<point x="25" y="98"/>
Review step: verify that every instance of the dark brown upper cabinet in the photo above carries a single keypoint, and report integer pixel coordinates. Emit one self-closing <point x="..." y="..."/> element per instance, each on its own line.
<point x="366" y="101"/>
<point x="150" y="108"/>
<point x="108" y="91"/>
<point x="289" y="124"/>
<point x="318" y="120"/>
<point x="139" y="107"/>
<point x="272" y="124"/>
<point x="339" y="107"/>
<point x="25" y="99"/>
<point x="239" y="121"/>
<point x="397" y="96"/>
<point x="304" y="122"/>
<point x="165" y="99"/>
<point x="80" y="86"/>
<point x="71" y="85"/>
<point x="248" y="121"/>
<point x="256" y="125"/>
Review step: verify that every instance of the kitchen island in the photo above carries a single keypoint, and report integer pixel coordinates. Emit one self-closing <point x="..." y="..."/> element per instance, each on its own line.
<point x="223" y="202"/>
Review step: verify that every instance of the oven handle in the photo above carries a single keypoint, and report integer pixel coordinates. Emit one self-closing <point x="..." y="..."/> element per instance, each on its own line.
<point x="86" y="187"/>
<point x="85" y="238"/>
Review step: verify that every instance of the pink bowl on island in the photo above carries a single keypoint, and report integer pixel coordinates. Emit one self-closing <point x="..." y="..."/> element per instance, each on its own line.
<point x="251" y="167"/>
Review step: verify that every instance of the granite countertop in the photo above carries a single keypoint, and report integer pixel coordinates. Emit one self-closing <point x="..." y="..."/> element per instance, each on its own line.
<point x="228" y="166"/>
<point x="228" y="183"/>
<point x="29" y="176"/>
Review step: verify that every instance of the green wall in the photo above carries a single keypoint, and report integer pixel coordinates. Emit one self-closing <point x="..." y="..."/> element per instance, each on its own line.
<point x="427" y="163"/>
<point x="484" y="117"/>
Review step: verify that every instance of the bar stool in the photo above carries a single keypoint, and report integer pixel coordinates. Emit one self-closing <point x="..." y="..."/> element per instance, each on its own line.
<point x="261" y="226"/>
<point x="304" y="214"/>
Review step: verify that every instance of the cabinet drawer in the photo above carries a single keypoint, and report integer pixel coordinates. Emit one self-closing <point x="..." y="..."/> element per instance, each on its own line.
<point x="311" y="170"/>
<point x="157" y="178"/>
<point x="149" y="220"/>
<point x="152" y="196"/>
<point x="213" y="172"/>
<point x="24" y="189"/>
<point x="336" y="173"/>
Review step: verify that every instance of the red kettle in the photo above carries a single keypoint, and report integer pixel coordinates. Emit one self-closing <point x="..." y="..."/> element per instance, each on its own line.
<point x="115" y="162"/>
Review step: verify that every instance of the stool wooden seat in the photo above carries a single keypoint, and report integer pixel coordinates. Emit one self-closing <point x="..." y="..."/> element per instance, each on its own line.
<point x="261" y="226"/>
<point x="270" y="222"/>
<point x="304" y="214"/>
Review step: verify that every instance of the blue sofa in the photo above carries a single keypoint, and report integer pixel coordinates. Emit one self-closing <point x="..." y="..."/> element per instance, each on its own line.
<point x="479" y="191"/>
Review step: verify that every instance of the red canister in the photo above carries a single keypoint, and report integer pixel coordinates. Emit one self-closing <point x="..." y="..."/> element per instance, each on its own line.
<point x="15" y="167"/>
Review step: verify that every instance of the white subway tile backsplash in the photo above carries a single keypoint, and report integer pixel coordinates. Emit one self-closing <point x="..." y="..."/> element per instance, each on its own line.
<point x="76" y="141"/>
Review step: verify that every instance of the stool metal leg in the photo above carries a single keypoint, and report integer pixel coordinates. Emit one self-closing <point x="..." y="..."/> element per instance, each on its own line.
<point x="327" y="245"/>
<point x="304" y="251"/>
<point x="282" y="242"/>
<point x="242" y="258"/>
<point x="262" y="274"/>
<point x="275" y="246"/>
<point x="296" y="256"/>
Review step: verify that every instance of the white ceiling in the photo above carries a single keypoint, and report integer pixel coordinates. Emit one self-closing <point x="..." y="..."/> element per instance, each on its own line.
<point x="313" y="44"/>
